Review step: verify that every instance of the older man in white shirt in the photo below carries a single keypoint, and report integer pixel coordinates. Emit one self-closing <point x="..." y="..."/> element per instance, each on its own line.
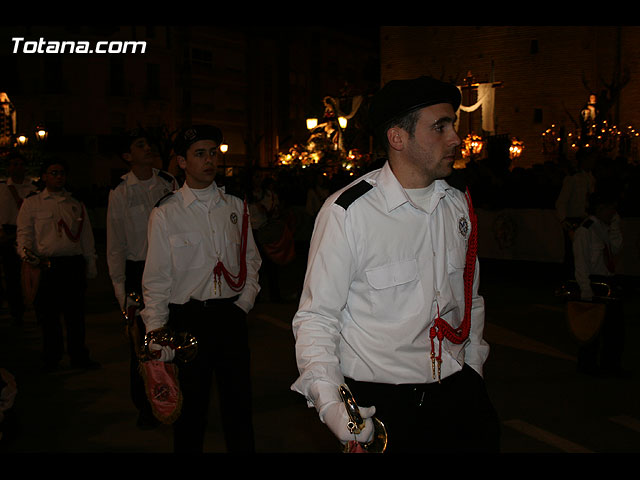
<point x="55" y="226"/>
<point x="390" y="304"/>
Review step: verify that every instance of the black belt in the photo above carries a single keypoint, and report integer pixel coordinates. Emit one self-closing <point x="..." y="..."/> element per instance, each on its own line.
<point x="416" y="392"/>
<point x="209" y="303"/>
<point x="66" y="259"/>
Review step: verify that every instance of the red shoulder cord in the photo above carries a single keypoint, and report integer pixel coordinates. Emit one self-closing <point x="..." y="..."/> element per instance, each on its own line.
<point x="441" y="329"/>
<point x="236" y="282"/>
<point x="67" y="230"/>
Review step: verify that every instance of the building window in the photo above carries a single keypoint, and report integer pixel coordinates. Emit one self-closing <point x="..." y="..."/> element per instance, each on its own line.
<point x="537" y="115"/>
<point x="533" y="49"/>
<point x="54" y="81"/>
<point x="116" y="76"/>
<point x="153" y="80"/>
<point x="202" y="58"/>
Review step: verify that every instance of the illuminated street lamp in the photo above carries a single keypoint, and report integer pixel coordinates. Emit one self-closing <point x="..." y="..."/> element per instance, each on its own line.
<point x="41" y="133"/>
<point x="472" y="146"/>
<point x="312" y="123"/>
<point x="224" y="148"/>
<point x="515" y="149"/>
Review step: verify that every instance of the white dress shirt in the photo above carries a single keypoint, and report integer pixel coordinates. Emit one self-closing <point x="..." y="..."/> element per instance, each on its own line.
<point x="187" y="236"/>
<point x="130" y="204"/>
<point x="378" y="273"/>
<point x="589" y="243"/>
<point x="572" y="199"/>
<point x="40" y="230"/>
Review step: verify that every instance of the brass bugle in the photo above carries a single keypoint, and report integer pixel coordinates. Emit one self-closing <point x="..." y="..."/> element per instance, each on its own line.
<point x="601" y="291"/>
<point x="184" y="344"/>
<point x="132" y="304"/>
<point x="37" y="261"/>
<point x="378" y="443"/>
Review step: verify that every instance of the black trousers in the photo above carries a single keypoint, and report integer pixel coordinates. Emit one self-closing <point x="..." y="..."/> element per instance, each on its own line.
<point x="605" y="350"/>
<point x="61" y="293"/>
<point x="133" y="284"/>
<point x="450" y="417"/>
<point x="223" y="352"/>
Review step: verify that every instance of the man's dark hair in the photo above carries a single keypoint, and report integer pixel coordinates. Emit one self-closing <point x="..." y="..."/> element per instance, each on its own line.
<point x="53" y="161"/>
<point x="406" y="121"/>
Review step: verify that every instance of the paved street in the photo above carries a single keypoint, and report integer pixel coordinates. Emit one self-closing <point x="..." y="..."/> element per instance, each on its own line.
<point x="544" y="405"/>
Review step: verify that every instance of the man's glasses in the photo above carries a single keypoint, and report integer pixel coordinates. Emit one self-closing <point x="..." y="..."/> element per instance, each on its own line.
<point x="57" y="173"/>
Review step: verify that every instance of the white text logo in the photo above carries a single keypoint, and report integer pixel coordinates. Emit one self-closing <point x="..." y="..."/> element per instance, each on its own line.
<point x="68" y="46"/>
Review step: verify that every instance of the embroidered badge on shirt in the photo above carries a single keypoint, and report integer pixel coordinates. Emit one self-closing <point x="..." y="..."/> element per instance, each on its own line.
<point x="190" y="134"/>
<point x="234" y="218"/>
<point x="463" y="226"/>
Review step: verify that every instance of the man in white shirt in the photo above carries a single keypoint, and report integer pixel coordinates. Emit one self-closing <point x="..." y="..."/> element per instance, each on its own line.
<point x="12" y="194"/>
<point x="595" y="244"/>
<point x="571" y="204"/>
<point x="129" y="207"/>
<point x="201" y="277"/>
<point x="53" y="225"/>
<point x="390" y="304"/>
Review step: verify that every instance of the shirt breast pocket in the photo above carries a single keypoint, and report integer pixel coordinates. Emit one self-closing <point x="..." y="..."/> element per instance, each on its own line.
<point x="233" y="244"/>
<point x="43" y="222"/>
<point x="396" y="290"/>
<point x="456" y="256"/>
<point x="187" y="250"/>
<point x="139" y="217"/>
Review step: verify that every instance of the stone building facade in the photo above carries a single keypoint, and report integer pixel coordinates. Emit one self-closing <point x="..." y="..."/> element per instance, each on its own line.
<point x="545" y="73"/>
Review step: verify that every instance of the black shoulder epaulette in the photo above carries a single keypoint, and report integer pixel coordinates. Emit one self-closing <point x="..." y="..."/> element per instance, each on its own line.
<point x="165" y="176"/>
<point x="587" y="223"/>
<point x="31" y="194"/>
<point x="115" y="184"/>
<point x="352" y="193"/>
<point x="159" y="202"/>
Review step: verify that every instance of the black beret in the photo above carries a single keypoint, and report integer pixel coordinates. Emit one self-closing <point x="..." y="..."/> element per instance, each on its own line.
<point x="195" y="133"/>
<point x="127" y="138"/>
<point x="399" y="97"/>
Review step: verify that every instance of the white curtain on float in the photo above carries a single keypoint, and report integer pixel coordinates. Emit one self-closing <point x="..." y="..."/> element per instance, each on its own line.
<point x="486" y="101"/>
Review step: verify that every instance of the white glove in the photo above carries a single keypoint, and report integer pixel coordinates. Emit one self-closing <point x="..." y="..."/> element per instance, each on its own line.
<point x="335" y="416"/>
<point x="121" y="295"/>
<point x="167" y="354"/>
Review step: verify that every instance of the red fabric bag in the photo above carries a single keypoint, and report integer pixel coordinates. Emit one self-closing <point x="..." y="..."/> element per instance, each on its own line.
<point x="163" y="389"/>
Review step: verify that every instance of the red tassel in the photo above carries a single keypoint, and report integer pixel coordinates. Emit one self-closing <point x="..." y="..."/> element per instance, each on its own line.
<point x="236" y="282"/>
<point x="441" y="329"/>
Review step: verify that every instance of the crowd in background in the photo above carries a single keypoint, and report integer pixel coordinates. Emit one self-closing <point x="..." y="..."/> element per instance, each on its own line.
<point x="493" y="184"/>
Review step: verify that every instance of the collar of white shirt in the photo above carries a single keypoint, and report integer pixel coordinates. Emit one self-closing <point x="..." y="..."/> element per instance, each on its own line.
<point x="188" y="197"/>
<point x="131" y="178"/>
<point x="62" y="195"/>
<point x="395" y="195"/>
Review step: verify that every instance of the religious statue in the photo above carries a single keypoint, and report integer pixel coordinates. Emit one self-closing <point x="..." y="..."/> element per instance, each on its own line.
<point x="588" y="117"/>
